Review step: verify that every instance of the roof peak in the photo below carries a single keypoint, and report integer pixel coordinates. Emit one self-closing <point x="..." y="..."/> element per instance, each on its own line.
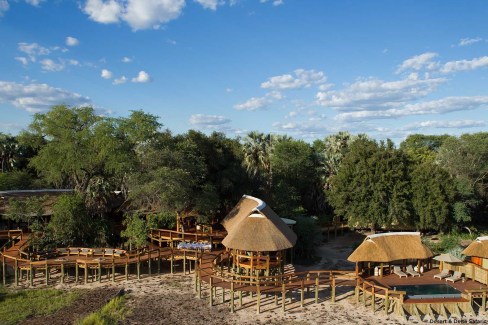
<point x="399" y="233"/>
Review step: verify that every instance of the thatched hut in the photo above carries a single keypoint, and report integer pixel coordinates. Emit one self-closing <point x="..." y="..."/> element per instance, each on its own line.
<point x="257" y="237"/>
<point x="478" y="251"/>
<point x="389" y="248"/>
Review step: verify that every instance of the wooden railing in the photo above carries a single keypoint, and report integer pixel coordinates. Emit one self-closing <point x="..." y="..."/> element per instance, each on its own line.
<point x="172" y="235"/>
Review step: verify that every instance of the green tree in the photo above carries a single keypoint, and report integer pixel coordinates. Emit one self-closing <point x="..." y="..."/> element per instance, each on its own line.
<point x="136" y="230"/>
<point x="433" y="194"/>
<point x="371" y="188"/>
<point x="422" y="148"/>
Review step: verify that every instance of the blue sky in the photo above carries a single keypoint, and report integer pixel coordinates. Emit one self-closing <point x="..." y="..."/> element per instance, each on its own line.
<point x="301" y="67"/>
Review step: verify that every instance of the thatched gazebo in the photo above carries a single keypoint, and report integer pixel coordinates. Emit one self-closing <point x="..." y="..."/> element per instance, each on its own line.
<point x="388" y="248"/>
<point x="478" y="251"/>
<point x="257" y="237"/>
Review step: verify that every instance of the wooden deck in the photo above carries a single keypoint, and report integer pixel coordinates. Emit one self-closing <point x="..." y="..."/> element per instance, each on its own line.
<point x="392" y="280"/>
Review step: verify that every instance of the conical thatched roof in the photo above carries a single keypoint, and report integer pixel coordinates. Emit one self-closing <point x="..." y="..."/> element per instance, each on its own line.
<point x="258" y="232"/>
<point x="246" y="205"/>
<point x="390" y="247"/>
<point x="478" y="248"/>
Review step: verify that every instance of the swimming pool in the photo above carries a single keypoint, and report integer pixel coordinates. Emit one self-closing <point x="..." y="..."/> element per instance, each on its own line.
<point x="423" y="291"/>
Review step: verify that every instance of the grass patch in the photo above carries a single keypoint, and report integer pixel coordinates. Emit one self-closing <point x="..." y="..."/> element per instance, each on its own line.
<point x="113" y="312"/>
<point x="16" y="306"/>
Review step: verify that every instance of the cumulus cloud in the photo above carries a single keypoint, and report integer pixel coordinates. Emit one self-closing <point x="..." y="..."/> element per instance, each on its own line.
<point x="375" y="93"/>
<point x="469" y="41"/>
<point x="121" y="80"/>
<point x="71" y="41"/>
<point x="419" y="62"/>
<point x="4" y="6"/>
<point x="33" y="50"/>
<point x="35" y="3"/>
<point x="36" y="97"/>
<point x="126" y="59"/>
<point x="208" y="120"/>
<point x="210" y="4"/>
<point x="457" y="124"/>
<point x="50" y="65"/>
<point x="137" y="13"/>
<point x="300" y="79"/>
<point x="440" y="106"/>
<point x="104" y="12"/>
<point x="256" y="103"/>
<point x="22" y="60"/>
<point x="274" y="2"/>
<point x="106" y="74"/>
<point x="142" y="77"/>
<point x="465" y="65"/>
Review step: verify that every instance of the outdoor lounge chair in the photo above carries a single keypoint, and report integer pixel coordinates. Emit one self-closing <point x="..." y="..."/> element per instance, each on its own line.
<point x="442" y="275"/>
<point x="398" y="271"/>
<point x="455" y="277"/>
<point x="411" y="271"/>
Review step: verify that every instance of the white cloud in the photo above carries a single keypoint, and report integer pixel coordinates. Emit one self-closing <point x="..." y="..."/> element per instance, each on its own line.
<point x="301" y="79"/>
<point x="458" y="124"/>
<point x="38" y="97"/>
<point x="210" y="4"/>
<point x="119" y="81"/>
<point x="106" y="74"/>
<point x="202" y="119"/>
<point x="142" y="77"/>
<point x="71" y="41"/>
<point x="104" y="12"/>
<point x="22" y="60"/>
<point x="469" y="41"/>
<point x="35" y="3"/>
<point x="256" y="103"/>
<point x="33" y="50"/>
<point x="50" y="65"/>
<point x="4" y="6"/>
<point x="308" y="129"/>
<point x="464" y="65"/>
<point x="150" y="13"/>
<point x="126" y="59"/>
<point x="274" y="2"/>
<point x="139" y="14"/>
<point x="375" y="93"/>
<point x="419" y="62"/>
<point x="440" y="106"/>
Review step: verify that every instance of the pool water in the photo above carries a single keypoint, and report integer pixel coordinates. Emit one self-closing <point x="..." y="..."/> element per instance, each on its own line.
<point x="423" y="291"/>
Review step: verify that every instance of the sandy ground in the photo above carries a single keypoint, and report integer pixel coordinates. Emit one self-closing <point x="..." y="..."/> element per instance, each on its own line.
<point x="170" y="299"/>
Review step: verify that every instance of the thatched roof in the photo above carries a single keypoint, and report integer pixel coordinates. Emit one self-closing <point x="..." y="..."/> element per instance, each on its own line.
<point x="246" y="205"/>
<point x="478" y="248"/>
<point x="258" y="233"/>
<point x="390" y="247"/>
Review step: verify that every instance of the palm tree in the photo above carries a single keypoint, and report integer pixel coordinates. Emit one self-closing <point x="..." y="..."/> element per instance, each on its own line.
<point x="8" y="152"/>
<point x="257" y="150"/>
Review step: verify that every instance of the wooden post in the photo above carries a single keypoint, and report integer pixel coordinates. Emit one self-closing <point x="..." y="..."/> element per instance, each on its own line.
<point x="159" y="261"/>
<point x="126" y="270"/>
<point x="3" y="270"/>
<point x="86" y="273"/>
<point x="62" y="272"/>
<point x="333" y="289"/>
<point x="184" y="262"/>
<point x="386" y="302"/>
<point x="483" y="301"/>
<point x="172" y="257"/>
<point x="317" y="289"/>
<point x="381" y="270"/>
<point x="76" y="271"/>
<point x="138" y="266"/>
<point x="372" y="299"/>
<point x="364" y="293"/>
<point x="283" y="296"/>
<point x="16" y="272"/>
<point x="302" y="289"/>
<point x="47" y="273"/>
<point x="232" y="296"/>
<point x="113" y="271"/>
<point x="211" y="291"/>
<point x="31" y="275"/>
<point x="149" y="262"/>
<point x="258" y="292"/>
<point x="240" y="298"/>
<point x="99" y="271"/>
<point x="223" y="294"/>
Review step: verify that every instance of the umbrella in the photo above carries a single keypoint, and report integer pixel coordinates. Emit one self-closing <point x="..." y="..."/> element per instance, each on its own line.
<point x="449" y="258"/>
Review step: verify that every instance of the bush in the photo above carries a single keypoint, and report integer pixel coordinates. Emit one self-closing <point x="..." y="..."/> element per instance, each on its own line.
<point x="308" y="237"/>
<point x="16" y="180"/>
